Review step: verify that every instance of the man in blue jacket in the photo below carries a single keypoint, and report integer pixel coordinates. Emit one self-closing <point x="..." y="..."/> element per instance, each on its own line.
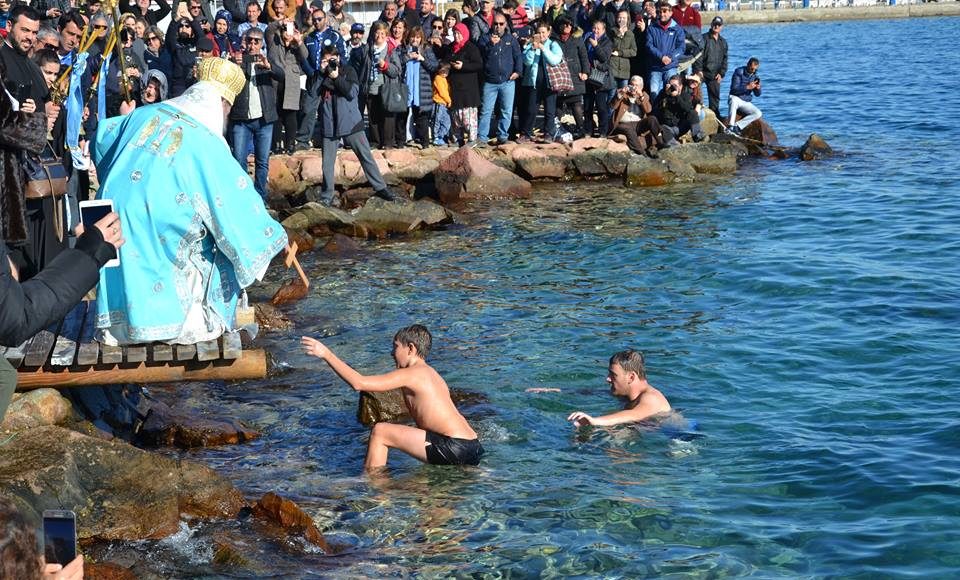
<point x="503" y="65"/>
<point x="665" y="44"/>
<point x="314" y="42"/>
<point x="744" y="85"/>
<point x="340" y="118"/>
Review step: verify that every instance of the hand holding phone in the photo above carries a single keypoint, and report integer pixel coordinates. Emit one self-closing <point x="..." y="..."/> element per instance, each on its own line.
<point x="99" y="213"/>
<point x="59" y="536"/>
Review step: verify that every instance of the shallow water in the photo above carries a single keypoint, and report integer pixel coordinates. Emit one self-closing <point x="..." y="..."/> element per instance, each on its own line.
<point x="805" y="315"/>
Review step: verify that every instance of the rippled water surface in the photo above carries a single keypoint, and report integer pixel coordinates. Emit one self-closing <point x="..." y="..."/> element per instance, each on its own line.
<point x="805" y="315"/>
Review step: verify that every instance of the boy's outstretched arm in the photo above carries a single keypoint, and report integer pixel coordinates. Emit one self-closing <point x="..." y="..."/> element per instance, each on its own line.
<point x="392" y="380"/>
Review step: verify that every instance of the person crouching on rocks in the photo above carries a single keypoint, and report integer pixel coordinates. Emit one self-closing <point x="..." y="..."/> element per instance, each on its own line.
<point x="677" y="113"/>
<point x="442" y="435"/>
<point x="632" y="116"/>
<point x="339" y="118"/>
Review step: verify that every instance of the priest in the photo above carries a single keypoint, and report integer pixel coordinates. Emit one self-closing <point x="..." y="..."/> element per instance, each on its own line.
<point x="197" y="231"/>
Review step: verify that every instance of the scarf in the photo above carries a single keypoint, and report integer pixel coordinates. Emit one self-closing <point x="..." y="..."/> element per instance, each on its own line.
<point x="413" y="82"/>
<point x="590" y="47"/>
<point x="465" y="32"/>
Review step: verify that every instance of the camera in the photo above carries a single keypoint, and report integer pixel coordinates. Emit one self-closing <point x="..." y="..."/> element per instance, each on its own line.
<point x="332" y="65"/>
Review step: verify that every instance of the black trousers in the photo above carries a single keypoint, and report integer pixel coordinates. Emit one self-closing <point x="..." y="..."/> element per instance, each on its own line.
<point x="383" y="125"/>
<point x="713" y="92"/>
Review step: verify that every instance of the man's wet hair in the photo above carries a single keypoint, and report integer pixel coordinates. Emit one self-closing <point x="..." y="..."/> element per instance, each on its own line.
<point x="631" y="361"/>
<point x="418" y="336"/>
<point x="753" y="60"/>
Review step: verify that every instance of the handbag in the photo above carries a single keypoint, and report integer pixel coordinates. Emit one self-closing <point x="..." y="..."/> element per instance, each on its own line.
<point x="559" y="77"/>
<point x="598" y="78"/>
<point x="46" y="175"/>
<point x="395" y="95"/>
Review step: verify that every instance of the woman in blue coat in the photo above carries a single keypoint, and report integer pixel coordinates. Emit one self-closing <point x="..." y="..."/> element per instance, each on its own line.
<point x="540" y="52"/>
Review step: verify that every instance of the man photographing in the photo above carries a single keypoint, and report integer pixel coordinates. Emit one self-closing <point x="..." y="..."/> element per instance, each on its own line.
<point x="744" y="85"/>
<point x="339" y="118"/>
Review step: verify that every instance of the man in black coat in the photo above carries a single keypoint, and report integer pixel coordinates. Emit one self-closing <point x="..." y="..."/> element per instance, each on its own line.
<point x="712" y="64"/>
<point x="677" y="115"/>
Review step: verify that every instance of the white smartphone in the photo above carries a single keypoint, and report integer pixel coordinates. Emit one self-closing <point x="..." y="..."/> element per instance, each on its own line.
<point x="92" y="211"/>
<point x="289" y="28"/>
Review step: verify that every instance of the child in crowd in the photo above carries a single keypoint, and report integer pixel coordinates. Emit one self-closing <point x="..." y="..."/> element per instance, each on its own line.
<point x="441" y="105"/>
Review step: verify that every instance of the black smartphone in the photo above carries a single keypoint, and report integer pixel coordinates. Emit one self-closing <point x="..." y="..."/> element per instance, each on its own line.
<point x="24" y="91"/>
<point x="59" y="536"/>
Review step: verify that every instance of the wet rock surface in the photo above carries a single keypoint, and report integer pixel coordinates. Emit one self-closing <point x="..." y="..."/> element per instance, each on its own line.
<point x="118" y="492"/>
<point x="288" y="518"/>
<point x="172" y="427"/>
<point x="815" y="148"/>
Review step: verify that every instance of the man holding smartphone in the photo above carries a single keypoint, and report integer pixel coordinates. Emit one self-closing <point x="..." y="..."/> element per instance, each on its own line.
<point x="255" y="110"/>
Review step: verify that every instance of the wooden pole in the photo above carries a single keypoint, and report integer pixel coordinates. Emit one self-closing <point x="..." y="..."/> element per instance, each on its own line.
<point x="252" y="364"/>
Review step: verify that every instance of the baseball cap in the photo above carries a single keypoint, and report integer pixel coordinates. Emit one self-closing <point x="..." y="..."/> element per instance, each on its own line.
<point x="357" y="28"/>
<point x="717" y="20"/>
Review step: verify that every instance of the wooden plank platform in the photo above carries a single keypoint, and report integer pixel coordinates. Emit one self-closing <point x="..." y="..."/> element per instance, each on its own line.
<point x="67" y="354"/>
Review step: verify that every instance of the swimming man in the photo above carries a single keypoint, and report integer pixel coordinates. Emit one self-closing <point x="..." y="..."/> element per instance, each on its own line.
<point x="628" y="380"/>
<point x="442" y="436"/>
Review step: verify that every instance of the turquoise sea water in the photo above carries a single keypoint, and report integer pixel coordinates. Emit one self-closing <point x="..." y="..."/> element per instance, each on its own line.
<point x="805" y="314"/>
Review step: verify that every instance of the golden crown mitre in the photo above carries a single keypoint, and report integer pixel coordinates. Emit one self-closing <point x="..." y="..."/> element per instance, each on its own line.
<point x="226" y="75"/>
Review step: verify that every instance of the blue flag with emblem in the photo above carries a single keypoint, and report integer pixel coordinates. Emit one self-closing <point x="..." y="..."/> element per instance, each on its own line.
<point x="75" y="111"/>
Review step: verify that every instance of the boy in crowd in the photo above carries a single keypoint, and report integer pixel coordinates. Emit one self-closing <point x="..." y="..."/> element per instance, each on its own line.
<point x="442" y="435"/>
<point x="628" y="380"/>
<point x="441" y="105"/>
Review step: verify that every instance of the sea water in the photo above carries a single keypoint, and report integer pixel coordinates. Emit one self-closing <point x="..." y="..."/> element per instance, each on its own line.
<point x="804" y="314"/>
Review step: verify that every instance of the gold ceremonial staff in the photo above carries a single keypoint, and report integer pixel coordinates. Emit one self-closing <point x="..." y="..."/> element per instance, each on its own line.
<point x="125" y="86"/>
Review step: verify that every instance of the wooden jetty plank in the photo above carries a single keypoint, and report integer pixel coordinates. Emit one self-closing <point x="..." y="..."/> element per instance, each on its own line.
<point x="15" y="354"/>
<point x="38" y="347"/>
<point x="111" y="355"/>
<point x="161" y="353"/>
<point x="231" y="345"/>
<point x="89" y="350"/>
<point x="65" y="349"/>
<point x="186" y="352"/>
<point x="208" y="350"/>
<point x="252" y="364"/>
<point x="135" y="353"/>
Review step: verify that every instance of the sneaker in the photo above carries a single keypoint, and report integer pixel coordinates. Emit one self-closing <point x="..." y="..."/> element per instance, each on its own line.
<point x="523" y="139"/>
<point x="501" y="141"/>
<point x="734" y="130"/>
<point x="389" y="195"/>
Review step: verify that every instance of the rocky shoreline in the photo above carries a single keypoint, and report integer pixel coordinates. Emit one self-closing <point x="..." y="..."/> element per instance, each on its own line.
<point x="51" y="458"/>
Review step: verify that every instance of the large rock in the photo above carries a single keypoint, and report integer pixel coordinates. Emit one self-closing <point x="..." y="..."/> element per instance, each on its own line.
<point x="704" y="157"/>
<point x="382" y="406"/>
<point x="281" y="180"/>
<point x="289" y="517"/>
<point x="311" y="170"/>
<point x="312" y="214"/>
<point x="35" y="409"/>
<point x="167" y="426"/>
<point x="590" y="162"/>
<point x="467" y="175"/>
<point x="710" y="124"/>
<point x="538" y="164"/>
<point x="815" y="148"/>
<point x="118" y="492"/>
<point x="760" y="134"/>
<point x="646" y="172"/>
<point x="392" y="217"/>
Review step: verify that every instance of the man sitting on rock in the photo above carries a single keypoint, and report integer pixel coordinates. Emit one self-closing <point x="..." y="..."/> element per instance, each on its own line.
<point x="628" y="380"/>
<point x="442" y="435"/>
<point x="632" y="117"/>
<point x="744" y="85"/>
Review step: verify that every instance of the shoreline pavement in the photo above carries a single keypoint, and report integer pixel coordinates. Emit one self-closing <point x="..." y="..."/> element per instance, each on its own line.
<point x="770" y="15"/>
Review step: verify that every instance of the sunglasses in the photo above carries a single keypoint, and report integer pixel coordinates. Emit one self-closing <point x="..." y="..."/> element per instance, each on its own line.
<point x="255" y="40"/>
<point x="99" y="26"/>
<point x="152" y="38"/>
<point x="438" y="27"/>
<point x="184" y="25"/>
<point x="499" y="23"/>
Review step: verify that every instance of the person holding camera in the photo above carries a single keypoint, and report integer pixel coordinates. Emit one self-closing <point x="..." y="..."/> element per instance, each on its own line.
<point x="676" y="112"/>
<point x="744" y="85"/>
<point x="255" y="110"/>
<point x="339" y="118"/>
<point x="322" y="35"/>
<point x="632" y="117"/>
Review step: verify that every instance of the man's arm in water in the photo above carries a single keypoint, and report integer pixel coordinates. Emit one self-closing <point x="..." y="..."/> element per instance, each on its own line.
<point x="638" y="413"/>
<point x="373" y="383"/>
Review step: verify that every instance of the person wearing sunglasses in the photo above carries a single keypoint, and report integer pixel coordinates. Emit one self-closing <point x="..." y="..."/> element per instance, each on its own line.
<point x="322" y="35"/>
<point x="503" y="65"/>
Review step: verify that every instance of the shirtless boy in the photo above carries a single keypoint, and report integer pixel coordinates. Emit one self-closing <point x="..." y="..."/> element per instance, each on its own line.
<point x="442" y="436"/>
<point x="628" y="380"/>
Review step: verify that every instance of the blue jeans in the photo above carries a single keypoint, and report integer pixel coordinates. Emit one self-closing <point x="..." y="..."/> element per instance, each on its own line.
<point x="262" y="135"/>
<point x="491" y="92"/>
<point x="658" y="79"/>
<point x="441" y="123"/>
